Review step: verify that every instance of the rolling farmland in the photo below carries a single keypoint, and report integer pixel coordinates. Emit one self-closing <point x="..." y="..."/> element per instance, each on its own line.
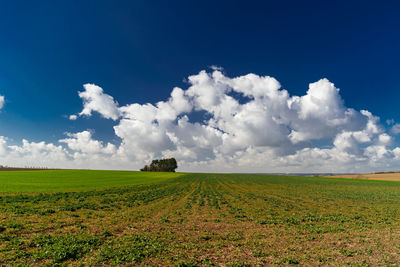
<point x="198" y="220"/>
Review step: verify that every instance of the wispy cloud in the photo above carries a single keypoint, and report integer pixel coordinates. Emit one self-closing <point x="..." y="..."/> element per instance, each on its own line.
<point x="2" y="101"/>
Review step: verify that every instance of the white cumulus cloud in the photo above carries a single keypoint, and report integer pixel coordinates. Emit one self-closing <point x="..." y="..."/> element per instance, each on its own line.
<point x="248" y="124"/>
<point x="83" y="142"/>
<point x="251" y="122"/>
<point x="95" y="100"/>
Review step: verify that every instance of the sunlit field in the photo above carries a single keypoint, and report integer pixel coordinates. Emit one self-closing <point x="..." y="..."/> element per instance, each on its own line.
<point x="196" y="220"/>
<point x="73" y="180"/>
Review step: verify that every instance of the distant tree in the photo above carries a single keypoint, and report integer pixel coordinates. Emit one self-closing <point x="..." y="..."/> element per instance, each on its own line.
<point x="161" y="165"/>
<point x="146" y="168"/>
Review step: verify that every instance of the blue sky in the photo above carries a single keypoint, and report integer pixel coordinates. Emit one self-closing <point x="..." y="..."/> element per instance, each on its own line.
<point x="138" y="51"/>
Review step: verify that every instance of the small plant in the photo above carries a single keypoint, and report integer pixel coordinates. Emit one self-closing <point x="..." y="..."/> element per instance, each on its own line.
<point x="238" y="264"/>
<point x="164" y="219"/>
<point x="348" y="252"/>
<point x="290" y="260"/>
<point x="107" y="233"/>
<point x="185" y="264"/>
<point x="46" y="212"/>
<point x="15" y="225"/>
<point x="257" y="253"/>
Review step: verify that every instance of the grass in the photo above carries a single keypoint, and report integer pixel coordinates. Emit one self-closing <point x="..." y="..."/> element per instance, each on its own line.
<point x="73" y="180"/>
<point x="206" y="220"/>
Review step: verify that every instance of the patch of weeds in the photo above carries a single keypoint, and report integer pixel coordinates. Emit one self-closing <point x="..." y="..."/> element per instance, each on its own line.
<point x="273" y="221"/>
<point x="15" y="225"/>
<point x="130" y="250"/>
<point x="321" y="259"/>
<point x="6" y="237"/>
<point x="201" y="202"/>
<point x="234" y="236"/>
<point x="257" y="253"/>
<point x="292" y="221"/>
<point x="2" y="228"/>
<point x="46" y="212"/>
<point x="290" y="260"/>
<point x="21" y="264"/>
<point x="348" y="252"/>
<point x="60" y="248"/>
<point x="363" y="263"/>
<point x="206" y="237"/>
<point x="81" y="226"/>
<point x="107" y="233"/>
<point x="238" y="264"/>
<point x="69" y="207"/>
<point x="311" y="237"/>
<point x="21" y="254"/>
<point x="185" y="264"/>
<point x="164" y="219"/>
<point x="207" y="262"/>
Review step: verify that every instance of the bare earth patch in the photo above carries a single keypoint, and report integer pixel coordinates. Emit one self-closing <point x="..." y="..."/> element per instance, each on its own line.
<point x="389" y="176"/>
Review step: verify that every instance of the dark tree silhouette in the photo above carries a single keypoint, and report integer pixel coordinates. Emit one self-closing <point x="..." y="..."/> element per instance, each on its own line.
<point x="161" y="165"/>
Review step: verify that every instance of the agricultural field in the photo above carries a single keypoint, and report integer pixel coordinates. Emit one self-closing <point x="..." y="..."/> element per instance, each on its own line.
<point x="199" y="220"/>
<point x="73" y="180"/>
<point x="384" y="176"/>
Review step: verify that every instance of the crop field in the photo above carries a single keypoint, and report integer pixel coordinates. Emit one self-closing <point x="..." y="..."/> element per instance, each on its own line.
<point x="73" y="180"/>
<point x="203" y="220"/>
<point x="385" y="176"/>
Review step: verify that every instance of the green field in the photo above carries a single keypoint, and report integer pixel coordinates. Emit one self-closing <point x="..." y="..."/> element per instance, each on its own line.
<point x="73" y="180"/>
<point x="203" y="220"/>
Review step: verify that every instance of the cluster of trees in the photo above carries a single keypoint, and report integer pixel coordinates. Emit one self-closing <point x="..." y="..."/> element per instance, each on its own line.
<point x="161" y="165"/>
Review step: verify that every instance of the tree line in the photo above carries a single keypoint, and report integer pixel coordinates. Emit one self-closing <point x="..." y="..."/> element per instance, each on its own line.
<point x="161" y="165"/>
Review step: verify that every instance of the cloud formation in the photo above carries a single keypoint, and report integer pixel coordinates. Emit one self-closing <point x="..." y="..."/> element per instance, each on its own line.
<point x="95" y="100"/>
<point x="395" y="128"/>
<point x="73" y="117"/>
<point x="250" y="124"/>
<point x="2" y="101"/>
